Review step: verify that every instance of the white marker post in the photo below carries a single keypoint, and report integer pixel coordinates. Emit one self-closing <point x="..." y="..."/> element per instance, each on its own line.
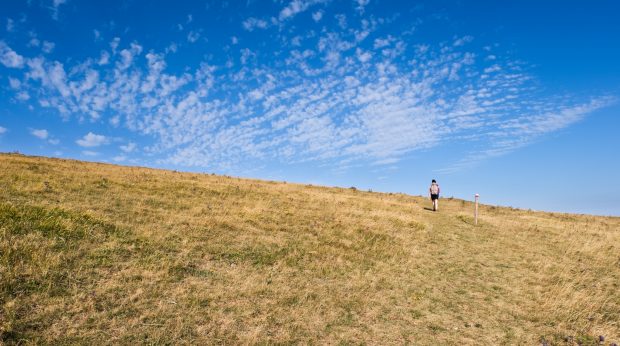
<point x="476" y="210"/>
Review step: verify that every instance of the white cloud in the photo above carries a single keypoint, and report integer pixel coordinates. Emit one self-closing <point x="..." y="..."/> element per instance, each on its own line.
<point x="342" y="21"/>
<point x="3" y="130"/>
<point x="92" y="140"/>
<point x="462" y="41"/>
<point x="252" y="23"/>
<point x="41" y="134"/>
<point x="172" y="47"/>
<point x="520" y="131"/>
<point x="22" y="96"/>
<point x="10" y="25"/>
<point x="296" y="41"/>
<point x="89" y="153"/>
<point x="246" y="55"/>
<point x="34" y="42"/>
<point x="48" y="47"/>
<point x="317" y="16"/>
<point x="115" y="120"/>
<point x="292" y="9"/>
<point x="104" y="58"/>
<point x="114" y="44"/>
<point x="336" y="101"/>
<point x="9" y="58"/>
<point x="363" y="56"/>
<point x="549" y="120"/>
<point x="127" y="56"/>
<point x="130" y="147"/>
<point x="383" y="42"/>
<point x="55" y="7"/>
<point x="14" y="83"/>
<point x="193" y="36"/>
<point x="493" y="68"/>
<point x="361" y="4"/>
<point x="295" y="7"/>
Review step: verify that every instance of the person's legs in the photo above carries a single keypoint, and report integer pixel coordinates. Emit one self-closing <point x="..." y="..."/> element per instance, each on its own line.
<point x="436" y="204"/>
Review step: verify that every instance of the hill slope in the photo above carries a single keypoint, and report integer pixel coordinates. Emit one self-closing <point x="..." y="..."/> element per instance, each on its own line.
<point x="96" y="253"/>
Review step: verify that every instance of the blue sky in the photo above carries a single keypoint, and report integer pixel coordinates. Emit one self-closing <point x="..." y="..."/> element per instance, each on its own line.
<point x="515" y="100"/>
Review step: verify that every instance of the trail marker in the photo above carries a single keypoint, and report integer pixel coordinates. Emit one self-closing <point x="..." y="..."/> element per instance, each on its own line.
<point x="476" y="210"/>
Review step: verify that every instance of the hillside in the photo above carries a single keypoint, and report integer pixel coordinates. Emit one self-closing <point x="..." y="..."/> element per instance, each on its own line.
<point x="97" y="253"/>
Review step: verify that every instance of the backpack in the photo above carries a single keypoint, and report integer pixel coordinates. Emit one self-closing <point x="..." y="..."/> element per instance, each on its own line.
<point x="434" y="189"/>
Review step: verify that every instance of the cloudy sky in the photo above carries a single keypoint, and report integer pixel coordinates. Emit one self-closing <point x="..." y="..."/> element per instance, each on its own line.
<point x="515" y="100"/>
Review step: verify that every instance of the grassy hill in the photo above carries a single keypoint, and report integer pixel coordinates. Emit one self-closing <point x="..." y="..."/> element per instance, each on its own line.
<point x="97" y="253"/>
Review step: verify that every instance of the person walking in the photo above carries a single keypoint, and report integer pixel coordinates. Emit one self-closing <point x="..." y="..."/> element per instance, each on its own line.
<point x="434" y="192"/>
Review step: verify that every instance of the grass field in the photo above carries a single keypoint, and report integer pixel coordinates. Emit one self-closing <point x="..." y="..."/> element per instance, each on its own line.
<point x="100" y="254"/>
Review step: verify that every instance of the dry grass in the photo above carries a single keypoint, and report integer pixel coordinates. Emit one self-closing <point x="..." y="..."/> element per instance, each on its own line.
<point x="95" y="253"/>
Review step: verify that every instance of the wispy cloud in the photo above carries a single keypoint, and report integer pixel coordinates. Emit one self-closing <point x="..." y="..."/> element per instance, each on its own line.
<point x="348" y="96"/>
<point x="193" y="36"/>
<point x="10" y="25"/>
<point x="104" y="58"/>
<point x="296" y="6"/>
<point x="92" y="140"/>
<point x="512" y="134"/>
<point x="462" y="40"/>
<point x="129" y="147"/>
<point x="317" y="16"/>
<point x="48" y="47"/>
<point x="22" y="96"/>
<point x="254" y="23"/>
<point x="44" y="135"/>
<point x="14" y="83"/>
<point x="9" y="58"/>
<point x="287" y="13"/>
<point x="3" y="130"/>
<point x="41" y="134"/>
<point x="56" y="8"/>
<point x="361" y="5"/>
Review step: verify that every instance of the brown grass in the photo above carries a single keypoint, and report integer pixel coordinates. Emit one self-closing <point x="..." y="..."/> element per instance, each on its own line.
<point x="102" y="254"/>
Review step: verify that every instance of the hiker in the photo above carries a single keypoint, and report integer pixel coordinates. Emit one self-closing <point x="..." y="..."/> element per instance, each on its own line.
<point x="434" y="192"/>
